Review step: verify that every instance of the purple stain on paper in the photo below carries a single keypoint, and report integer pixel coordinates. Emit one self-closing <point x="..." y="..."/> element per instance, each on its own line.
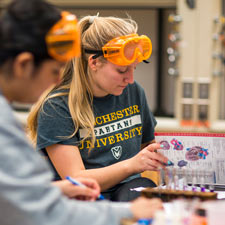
<point x="182" y="163"/>
<point x="166" y="145"/>
<point x="195" y="153"/>
<point x="177" y="145"/>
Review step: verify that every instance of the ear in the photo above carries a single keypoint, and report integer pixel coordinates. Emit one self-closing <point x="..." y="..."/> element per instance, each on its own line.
<point x="93" y="63"/>
<point x="23" y="65"/>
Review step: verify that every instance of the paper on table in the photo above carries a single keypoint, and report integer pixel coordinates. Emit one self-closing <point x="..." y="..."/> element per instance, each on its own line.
<point x="139" y="189"/>
<point x="220" y="195"/>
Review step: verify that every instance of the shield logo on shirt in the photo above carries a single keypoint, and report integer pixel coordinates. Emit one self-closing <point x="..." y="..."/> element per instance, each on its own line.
<point x="117" y="151"/>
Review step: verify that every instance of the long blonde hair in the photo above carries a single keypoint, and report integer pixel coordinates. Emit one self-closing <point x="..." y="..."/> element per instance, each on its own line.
<point x="95" y="33"/>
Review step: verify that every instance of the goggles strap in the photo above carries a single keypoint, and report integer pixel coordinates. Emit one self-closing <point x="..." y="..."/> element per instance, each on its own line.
<point x="100" y="53"/>
<point x="96" y="52"/>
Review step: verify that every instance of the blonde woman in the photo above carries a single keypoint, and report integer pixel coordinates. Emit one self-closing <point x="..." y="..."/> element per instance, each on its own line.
<point x="97" y="123"/>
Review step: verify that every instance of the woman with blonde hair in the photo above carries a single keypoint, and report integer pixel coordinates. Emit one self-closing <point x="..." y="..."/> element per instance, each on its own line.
<point x="96" y="123"/>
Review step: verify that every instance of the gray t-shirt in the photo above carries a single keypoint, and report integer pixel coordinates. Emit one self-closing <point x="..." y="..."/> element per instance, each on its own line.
<point x="123" y="123"/>
<point x="26" y="194"/>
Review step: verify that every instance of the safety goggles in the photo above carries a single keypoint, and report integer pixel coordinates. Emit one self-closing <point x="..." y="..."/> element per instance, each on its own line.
<point x="63" y="39"/>
<point x="125" y="50"/>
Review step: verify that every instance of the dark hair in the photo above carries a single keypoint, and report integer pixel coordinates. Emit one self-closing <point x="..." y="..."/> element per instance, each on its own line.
<point x="23" y="26"/>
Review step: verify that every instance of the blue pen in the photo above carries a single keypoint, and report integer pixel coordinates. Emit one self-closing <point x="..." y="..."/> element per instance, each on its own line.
<point x="75" y="182"/>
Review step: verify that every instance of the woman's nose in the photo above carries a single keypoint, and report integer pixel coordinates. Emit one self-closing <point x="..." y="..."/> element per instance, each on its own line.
<point x="129" y="77"/>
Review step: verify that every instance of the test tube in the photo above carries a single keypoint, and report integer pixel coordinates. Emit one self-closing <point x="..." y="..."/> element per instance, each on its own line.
<point x="176" y="178"/>
<point x="160" y="180"/>
<point x="212" y="181"/>
<point x="194" y="180"/>
<point x="211" y="188"/>
<point x="166" y="177"/>
<point x="169" y="178"/>
<point x="184" y="176"/>
<point x="202" y="180"/>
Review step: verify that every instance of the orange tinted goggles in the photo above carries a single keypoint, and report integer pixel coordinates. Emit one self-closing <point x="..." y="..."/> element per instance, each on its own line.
<point x="63" y="39"/>
<point x="125" y="50"/>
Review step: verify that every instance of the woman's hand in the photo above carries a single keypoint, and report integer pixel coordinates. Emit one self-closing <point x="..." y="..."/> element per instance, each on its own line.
<point x="145" y="208"/>
<point x="148" y="159"/>
<point x="90" y="192"/>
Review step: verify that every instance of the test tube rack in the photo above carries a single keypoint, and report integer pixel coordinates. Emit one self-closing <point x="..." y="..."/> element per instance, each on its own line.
<point x="168" y="195"/>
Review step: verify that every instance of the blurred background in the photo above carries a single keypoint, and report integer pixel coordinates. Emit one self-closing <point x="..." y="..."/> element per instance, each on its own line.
<point x="185" y="79"/>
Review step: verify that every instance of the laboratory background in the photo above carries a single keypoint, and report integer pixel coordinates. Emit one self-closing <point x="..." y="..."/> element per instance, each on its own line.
<point x="184" y="81"/>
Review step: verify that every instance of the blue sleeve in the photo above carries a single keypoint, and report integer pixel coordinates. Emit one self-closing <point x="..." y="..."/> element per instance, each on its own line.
<point x="27" y="196"/>
<point x="55" y="124"/>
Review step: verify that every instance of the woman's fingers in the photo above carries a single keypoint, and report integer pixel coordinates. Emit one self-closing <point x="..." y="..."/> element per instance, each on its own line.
<point x="89" y="182"/>
<point x="84" y="193"/>
<point x="153" y="147"/>
<point x="149" y="159"/>
<point x="145" y="208"/>
<point x="156" y="155"/>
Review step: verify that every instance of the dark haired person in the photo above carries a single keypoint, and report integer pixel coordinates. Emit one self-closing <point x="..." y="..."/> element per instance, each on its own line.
<point x="35" y="44"/>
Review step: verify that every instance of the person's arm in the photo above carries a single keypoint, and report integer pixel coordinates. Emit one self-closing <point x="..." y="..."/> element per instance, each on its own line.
<point x="90" y="192"/>
<point x="140" y="207"/>
<point x="28" y="197"/>
<point x="68" y="162"/>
